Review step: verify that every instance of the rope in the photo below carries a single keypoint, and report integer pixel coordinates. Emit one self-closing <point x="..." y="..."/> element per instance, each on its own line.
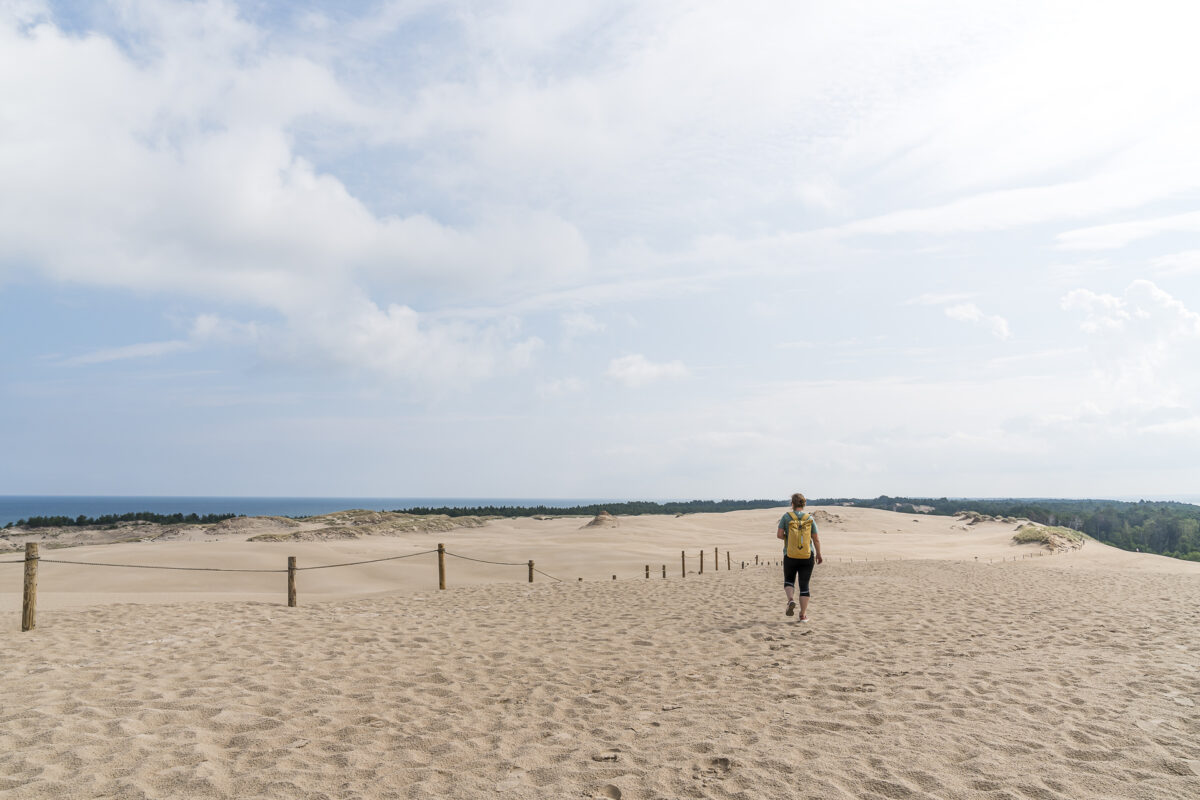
<point x="497" y="563"/>
<point x="150" y="566"/>
<point x="298" y="569"/>
<point x="547" y="574"/>
<point x="369" y="561"/>
<point x="224" y="569"/>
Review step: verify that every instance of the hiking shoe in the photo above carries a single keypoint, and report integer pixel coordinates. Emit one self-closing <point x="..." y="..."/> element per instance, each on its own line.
<point x="791" y="609"/>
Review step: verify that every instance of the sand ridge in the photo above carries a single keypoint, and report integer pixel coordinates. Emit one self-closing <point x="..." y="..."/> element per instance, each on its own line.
<point x="1071" y="676"/>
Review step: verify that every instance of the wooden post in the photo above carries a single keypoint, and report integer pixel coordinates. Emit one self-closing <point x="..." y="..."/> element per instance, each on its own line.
<point x="614" y="577"/>
<point x="531" y="570"/>
<point x="441" y="566"/>
<point x="756" y="561"/>
<point x="647" y="572"/>
<point x="664" y="571"/>
<point x="728" y="561"/>
<point x="716" y="560"/>
<point x="701" y="562"/>
<point x="291" y="581"/>
<point x="683" y="561"/>
<point x="29" y="599"/>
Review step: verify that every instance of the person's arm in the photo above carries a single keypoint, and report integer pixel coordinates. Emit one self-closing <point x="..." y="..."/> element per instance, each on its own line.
<point x="780" y="534"/>
<point x="816" y="540"/>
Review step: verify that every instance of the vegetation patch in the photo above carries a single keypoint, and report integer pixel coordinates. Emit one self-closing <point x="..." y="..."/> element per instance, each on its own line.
<point x="1053" y="537"/>
<point x="320" y="535"/>
<point x="357" y="524"/>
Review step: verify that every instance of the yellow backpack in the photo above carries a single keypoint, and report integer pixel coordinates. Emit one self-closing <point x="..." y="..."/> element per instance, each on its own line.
<point x="799" y="535"/>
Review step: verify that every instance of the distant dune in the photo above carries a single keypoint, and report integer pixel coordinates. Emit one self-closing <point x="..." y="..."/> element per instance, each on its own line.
<point x="603" y="520"/>
<point x="351" y="524"/>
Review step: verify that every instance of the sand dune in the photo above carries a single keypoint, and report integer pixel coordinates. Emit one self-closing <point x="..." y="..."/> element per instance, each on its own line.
<point x="559" y="546"/>
<point x="935" y="676"/>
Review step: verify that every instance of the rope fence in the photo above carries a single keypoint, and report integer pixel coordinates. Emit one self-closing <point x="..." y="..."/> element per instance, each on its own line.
<point x="152" y="566"/>
<point x="368" y="561"/>
<point x="481" y="561"/>
<point x="32" y="559"/>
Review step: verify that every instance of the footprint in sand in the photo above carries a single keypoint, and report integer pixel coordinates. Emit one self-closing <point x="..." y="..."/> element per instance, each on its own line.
<point x="720" y="765"/>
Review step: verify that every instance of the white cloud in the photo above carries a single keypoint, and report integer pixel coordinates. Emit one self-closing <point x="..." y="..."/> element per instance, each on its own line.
<point x="637" y="370"/>
<point x="360" y="336"/>
<point x="1066" y="356"/>
<point x="215" y="328"/>
<point x="559" y="387"/>
<point x="1145" y="345"/>
<point x="823" y="195"/>
<point x="1103" y="311"/>
<point x="173" y="169"/>
<point x="204" y="329"/>
<point x="1154" y="311"/>
<point x="969" y="312"/>
<point x="1181" y="263"/>
<point x="1010" y="208"/>
<point x="141" y="350"/>
<point x="939" y="298"/>
<point x="576" y="324"/>
<point x="1112" y="236"/>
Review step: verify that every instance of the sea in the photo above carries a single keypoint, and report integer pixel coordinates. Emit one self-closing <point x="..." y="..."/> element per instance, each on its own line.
<point x="18" y="507"/>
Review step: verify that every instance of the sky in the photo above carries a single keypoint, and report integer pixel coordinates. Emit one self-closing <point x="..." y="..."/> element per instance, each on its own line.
<point x="610" y="249"/>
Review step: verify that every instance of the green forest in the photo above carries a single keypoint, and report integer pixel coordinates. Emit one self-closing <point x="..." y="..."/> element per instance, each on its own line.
<point x="1167" y="528"/>
<point x="113" y="519"/>
<point x="628" y="508"/>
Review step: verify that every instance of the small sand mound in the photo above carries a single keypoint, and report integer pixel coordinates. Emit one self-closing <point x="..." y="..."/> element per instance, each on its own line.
<point x="388" y="522"/>
<point x="357" y="516"/>
<point x="358" y="524"/>
<point x="603" y="520"/>
<point x="244" y="524"/>
<point x="825" y="518"/>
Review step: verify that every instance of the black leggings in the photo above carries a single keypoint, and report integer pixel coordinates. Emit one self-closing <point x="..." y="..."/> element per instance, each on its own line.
<point x="801" y="568"/>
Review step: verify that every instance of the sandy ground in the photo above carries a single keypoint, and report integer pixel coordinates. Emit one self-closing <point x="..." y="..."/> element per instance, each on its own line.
<point x="971" y="668"/>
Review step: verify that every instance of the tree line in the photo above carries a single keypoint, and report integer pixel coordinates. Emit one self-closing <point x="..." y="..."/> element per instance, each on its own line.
<point x="1163" y="527"/>
<point x="628" y="508"/>
<point x="113" y="519"/>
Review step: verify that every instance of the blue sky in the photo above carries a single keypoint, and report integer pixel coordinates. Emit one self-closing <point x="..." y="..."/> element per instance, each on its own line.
<point x="671" y="249"/>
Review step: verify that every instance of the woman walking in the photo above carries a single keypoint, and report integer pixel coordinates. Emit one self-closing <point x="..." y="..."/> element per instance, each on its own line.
<point x="801" y="552"/>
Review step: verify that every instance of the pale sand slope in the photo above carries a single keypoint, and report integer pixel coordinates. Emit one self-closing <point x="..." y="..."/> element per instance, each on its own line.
<point x="1071" y="676"/>
<point x="564" y="548"/>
